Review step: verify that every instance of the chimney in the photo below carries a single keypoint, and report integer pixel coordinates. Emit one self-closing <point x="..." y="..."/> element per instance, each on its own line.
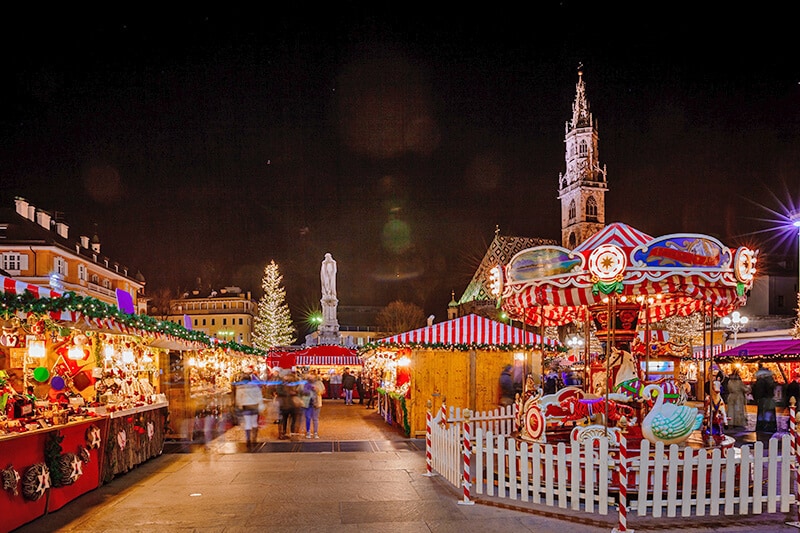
<point x="96" y="244"/>
<point x="43" y="219"/>
<point x="62" y="229"/>
<point x="31" y="213"/>
<point x="84" y="241"/>
<point x="22" y="206"/>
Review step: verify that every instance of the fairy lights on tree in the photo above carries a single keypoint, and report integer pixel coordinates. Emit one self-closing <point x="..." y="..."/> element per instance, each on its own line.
<point x="273" y="325"/>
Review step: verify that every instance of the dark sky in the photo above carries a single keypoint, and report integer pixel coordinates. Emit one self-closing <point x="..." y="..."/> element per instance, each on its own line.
<point x="206" y="144"/>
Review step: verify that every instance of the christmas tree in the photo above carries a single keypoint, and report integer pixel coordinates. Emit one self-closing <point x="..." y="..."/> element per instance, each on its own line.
<point x="273" y="325"/>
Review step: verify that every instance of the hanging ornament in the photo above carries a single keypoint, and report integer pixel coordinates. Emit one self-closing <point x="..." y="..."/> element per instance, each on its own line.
<point x="11" y="480"/>
<point x="35" y="481"/>
<point x="93" y="439"/>
<point x="9" y="337"/>
<point x="150" y="430"/>
<point x="122" y="439"/>
<point x="84" y="455"/>
<point x="70" y="468"/>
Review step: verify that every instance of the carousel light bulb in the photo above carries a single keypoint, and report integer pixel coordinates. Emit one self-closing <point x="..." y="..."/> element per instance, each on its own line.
<point x="36" y="349"/>
<point x="127" y="356"/>
<point x="75" y="353"/>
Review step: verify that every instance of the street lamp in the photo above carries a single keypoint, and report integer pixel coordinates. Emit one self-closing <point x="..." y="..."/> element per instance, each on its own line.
<point x="734" y="323"/>
<point x="575" y="343"/>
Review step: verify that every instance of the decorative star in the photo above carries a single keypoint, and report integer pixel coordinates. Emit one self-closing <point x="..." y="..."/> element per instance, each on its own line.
<point x="76" y="468"/>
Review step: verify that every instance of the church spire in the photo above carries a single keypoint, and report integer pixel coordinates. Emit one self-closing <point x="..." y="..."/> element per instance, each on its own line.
<point x="581" y="117"/>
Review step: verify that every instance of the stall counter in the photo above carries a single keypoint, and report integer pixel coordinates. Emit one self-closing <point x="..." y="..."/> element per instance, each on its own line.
<point x="134" y="436"/>
<point x="24" y="451"/>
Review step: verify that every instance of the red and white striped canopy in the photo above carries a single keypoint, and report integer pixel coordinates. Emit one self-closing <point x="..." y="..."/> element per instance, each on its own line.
<point x="13" y="286"/>
<point x="470" y="329"/>
<point x="675" y="289"/>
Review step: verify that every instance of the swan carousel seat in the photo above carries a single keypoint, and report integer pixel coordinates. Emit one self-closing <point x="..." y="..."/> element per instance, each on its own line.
<point x="668" y="422"/>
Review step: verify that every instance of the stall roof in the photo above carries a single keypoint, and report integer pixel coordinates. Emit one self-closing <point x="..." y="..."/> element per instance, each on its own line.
<point x="789" y="348"/>
<point x="469" y="329"/>
<point x="323" y="355"/>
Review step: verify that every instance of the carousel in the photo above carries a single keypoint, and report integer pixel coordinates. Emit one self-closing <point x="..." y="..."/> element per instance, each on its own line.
<point x="614" y="286"/>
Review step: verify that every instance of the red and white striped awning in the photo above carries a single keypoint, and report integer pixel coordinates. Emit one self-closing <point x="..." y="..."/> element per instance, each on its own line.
<point x="13" y="286"/>
<point x="470" y="329"/>
<point x="327" y="360"/>
<point x="698" y="351"/>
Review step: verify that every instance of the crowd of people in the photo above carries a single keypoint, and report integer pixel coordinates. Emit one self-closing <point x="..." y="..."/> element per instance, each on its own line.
<point x="292" y="400"/>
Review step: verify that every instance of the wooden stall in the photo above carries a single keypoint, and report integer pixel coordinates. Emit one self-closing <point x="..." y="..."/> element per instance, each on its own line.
<point x="458" y="361"/>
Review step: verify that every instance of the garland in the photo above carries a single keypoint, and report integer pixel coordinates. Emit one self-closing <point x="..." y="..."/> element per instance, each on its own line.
<point x="461" y="347"/>
<point x="52" y="457"/>
<point x="27" y="303"/>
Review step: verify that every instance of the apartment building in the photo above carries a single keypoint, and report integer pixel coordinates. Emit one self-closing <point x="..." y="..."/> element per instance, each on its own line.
<point x="227" y="314"/>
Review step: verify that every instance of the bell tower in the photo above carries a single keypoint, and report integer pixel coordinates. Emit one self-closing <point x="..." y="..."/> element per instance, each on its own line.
<point x="582" y="189"/>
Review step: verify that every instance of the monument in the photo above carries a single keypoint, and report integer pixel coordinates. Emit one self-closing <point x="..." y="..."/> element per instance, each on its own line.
<point x="329" y="329"/>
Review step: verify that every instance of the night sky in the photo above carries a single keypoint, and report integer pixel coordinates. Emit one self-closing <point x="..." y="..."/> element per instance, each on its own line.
<point x="206" y="144"/>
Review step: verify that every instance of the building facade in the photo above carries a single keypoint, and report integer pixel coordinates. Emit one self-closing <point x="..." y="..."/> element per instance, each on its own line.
<point x="582" y="188"/>
<point x="227" y="314"/>
<point x="36" y="248"/>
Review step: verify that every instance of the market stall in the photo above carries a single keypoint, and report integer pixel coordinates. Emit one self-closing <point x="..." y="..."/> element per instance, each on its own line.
<point x="458" y="360"/>
<point x="781" y="357"/>
<point x="81" y="394"/>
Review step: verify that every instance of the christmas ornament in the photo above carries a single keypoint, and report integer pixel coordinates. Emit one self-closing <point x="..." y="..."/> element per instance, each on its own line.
<point x="84" y="455"/>
<point x="93" y="437"/>
<point x="150" y="430"/>
<point x="11" y="480"/>
<point x="70" y="468"/>
<point x="35" y="481"/>
<point x="122" y="439"/>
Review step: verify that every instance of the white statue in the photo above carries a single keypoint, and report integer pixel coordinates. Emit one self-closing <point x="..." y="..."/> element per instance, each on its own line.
<point x="328" y="276"/>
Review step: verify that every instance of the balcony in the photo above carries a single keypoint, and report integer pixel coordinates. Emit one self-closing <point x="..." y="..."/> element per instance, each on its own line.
<point x="99" y="289"/>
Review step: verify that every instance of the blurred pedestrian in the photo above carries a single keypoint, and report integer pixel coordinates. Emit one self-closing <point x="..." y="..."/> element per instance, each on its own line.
<point x="336" y="384"/>
<point x="248" y="398"/>
<point x="315" y="388"/>
<point x="360" y="387"/>
<point x="736" y="400"/>
<point x="764" y="395"/>
<point x="348" y="384"/>
<point x="506" y="387"/>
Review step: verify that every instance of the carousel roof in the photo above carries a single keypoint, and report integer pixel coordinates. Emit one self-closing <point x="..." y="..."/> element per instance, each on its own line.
<point x="471" y="330"/>
<point x="675" y="274"/>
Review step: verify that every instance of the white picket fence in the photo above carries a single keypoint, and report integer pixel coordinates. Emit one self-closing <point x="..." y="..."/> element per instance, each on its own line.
<point x="661" y="481"/>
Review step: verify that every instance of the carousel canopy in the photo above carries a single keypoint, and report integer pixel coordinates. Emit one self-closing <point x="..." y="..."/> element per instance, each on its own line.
<point x="676" y="274"/>
<point x="755" y="350"/>
<point x="469" y="329"/>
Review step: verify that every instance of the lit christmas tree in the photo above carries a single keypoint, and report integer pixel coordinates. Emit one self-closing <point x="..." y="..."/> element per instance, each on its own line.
<point x="273" y="325"/>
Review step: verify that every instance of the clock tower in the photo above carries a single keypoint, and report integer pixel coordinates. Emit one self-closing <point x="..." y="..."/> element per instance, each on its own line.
<point x="582" y="189"/>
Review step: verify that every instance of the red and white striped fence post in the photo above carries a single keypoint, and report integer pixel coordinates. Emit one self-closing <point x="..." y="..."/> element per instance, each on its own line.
<point x="622" y="485"/>
<point x="428" y="465"/>
<point x="443" y="420"/>
<point x="795" y="466"/>
<point x="467" y="458"/>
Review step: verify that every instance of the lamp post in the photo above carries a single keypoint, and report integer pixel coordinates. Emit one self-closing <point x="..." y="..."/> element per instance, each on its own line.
<point x="734" y="323"/>
<point x="796" y="223"/>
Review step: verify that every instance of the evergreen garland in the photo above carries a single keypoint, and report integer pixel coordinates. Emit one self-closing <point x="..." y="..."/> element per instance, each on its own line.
<point x="52" y="457"/>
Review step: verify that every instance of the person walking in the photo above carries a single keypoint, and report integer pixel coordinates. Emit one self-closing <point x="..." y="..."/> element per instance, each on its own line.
<point x="348" y="383"/>
<point x="360" y="387"/>
<point x="336" y="384"/>
<point x="370" y="390"/>
<point x="764" y="395"/>
<point x="248" y="400"/>
<point x="314" y="388"/>
<point x="506" y="387"/>
<point x="737" y="391"/>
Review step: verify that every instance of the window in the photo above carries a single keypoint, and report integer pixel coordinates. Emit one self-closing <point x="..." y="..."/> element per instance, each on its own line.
<point x="14" y="262"/>
<point x="195" y="321"/>
<point x="106" y="284"/>
<point x="224" y="321"/>
<point x="82" y="272"/>
<point x="573" y="241"/>
<point x="204" y="321"/>
<point x="60" y="266"/>
<point x="591" y="209"/>
<point x="572" y="210"/>
<point x="95" y="279"/>
<point x="780" y="300"/>
<point x="240" y="321"/>
<point x="213" y="322"/>
<point x="583" y="149"/>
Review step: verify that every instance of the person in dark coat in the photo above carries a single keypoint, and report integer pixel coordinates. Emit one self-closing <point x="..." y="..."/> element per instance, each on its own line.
<point x="506" y="387"/>
<point x="348" y="384"/>
<point x="360" y="387"/>
<point x="764" y="394"/>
